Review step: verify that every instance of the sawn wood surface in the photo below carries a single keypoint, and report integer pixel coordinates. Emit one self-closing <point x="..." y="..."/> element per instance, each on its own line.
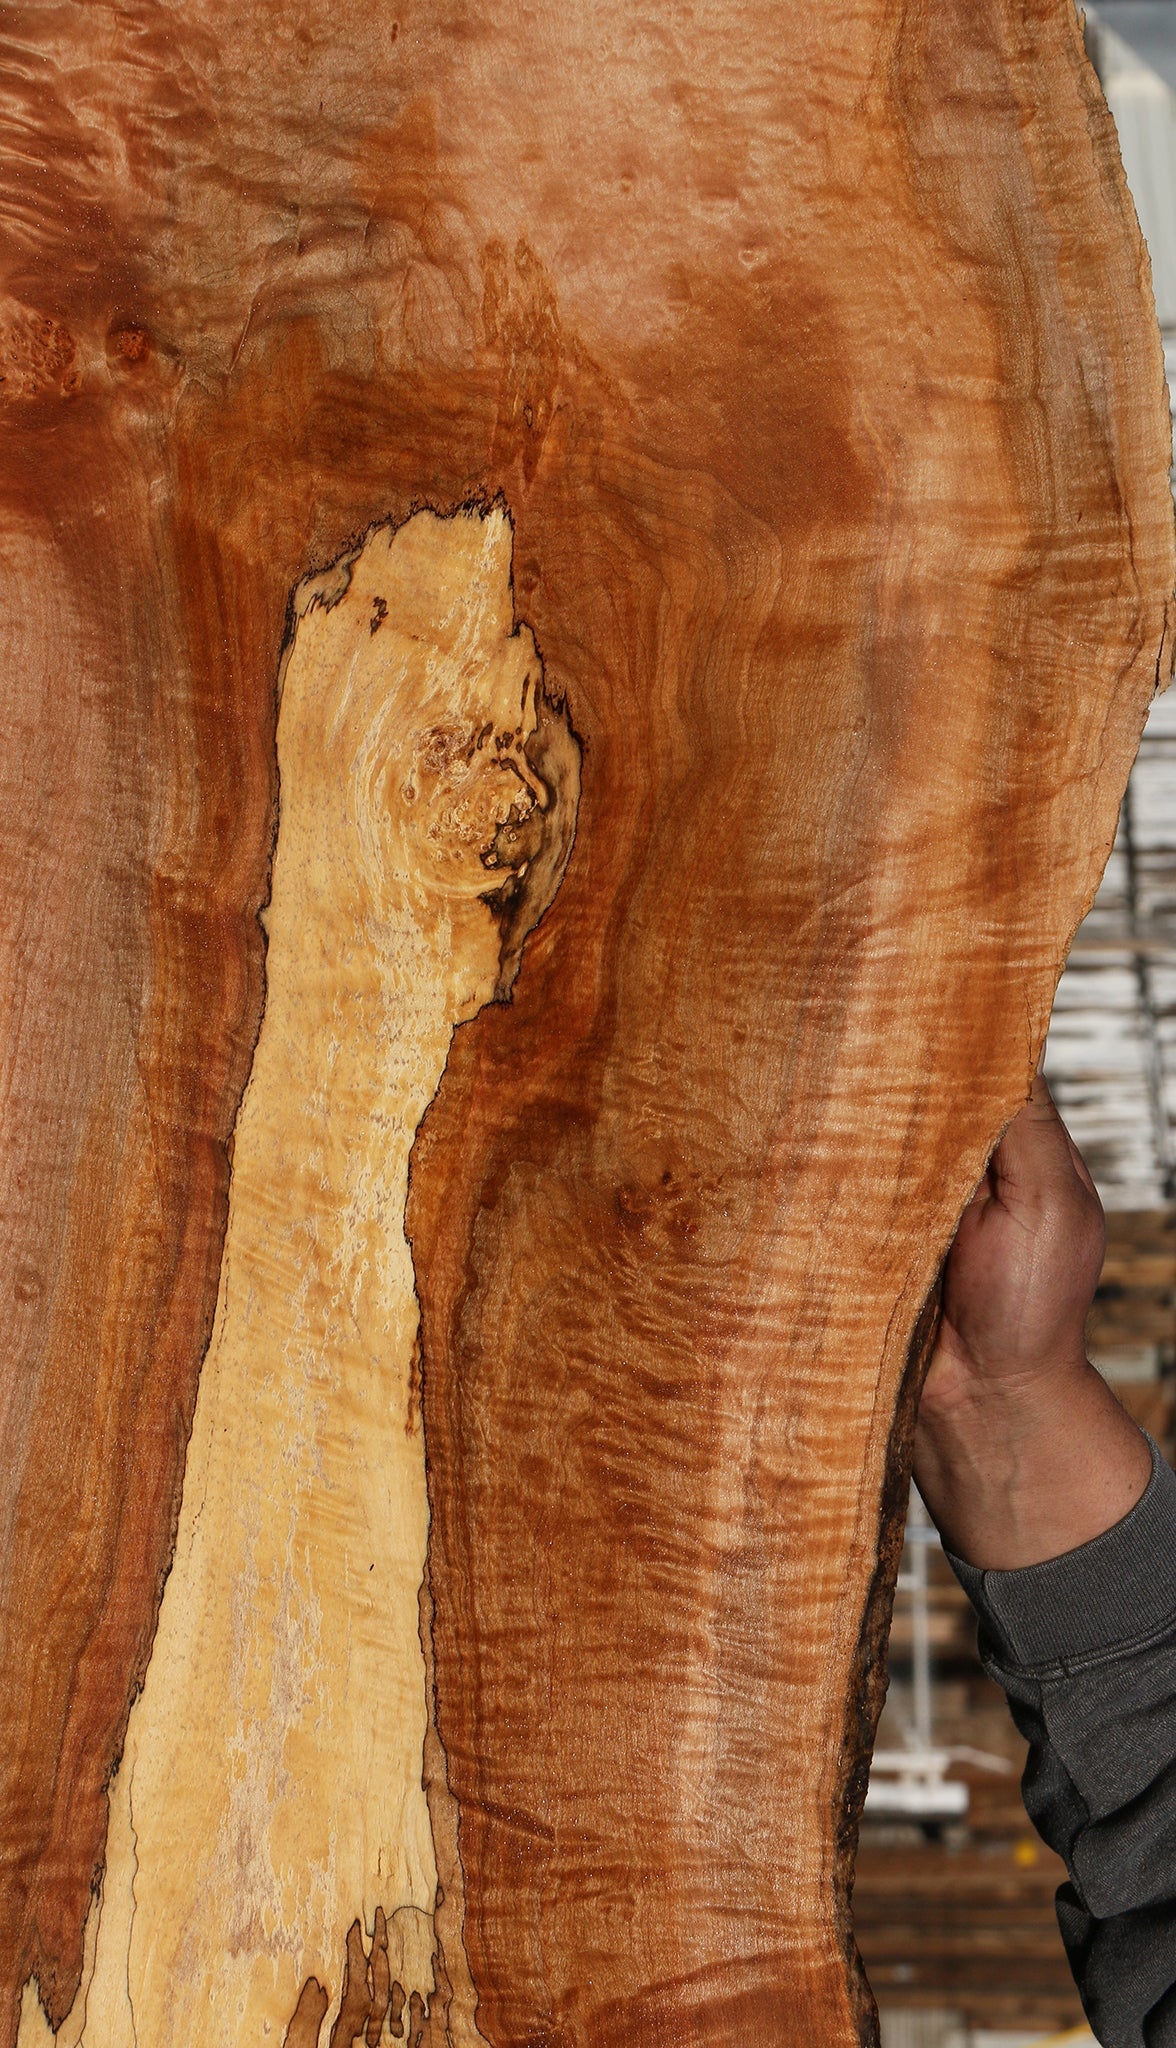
<point x="731" y="438"/>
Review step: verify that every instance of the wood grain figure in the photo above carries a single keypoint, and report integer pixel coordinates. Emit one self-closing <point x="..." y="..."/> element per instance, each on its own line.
<point x="581" y="586"/>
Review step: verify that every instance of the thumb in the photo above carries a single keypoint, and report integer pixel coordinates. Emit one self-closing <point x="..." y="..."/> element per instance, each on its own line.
<point x="1036" y="1156"/>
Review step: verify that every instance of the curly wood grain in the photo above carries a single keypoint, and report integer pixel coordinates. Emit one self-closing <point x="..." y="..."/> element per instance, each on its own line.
<point x="811" y="352"/>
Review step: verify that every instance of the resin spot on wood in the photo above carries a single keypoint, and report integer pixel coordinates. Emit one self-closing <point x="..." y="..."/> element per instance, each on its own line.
<point x="271" y="1867"/>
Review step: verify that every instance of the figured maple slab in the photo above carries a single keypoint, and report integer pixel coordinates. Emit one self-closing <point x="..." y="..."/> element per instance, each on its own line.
<point x="802" y="363"/>
<point x="271" y="1787"/>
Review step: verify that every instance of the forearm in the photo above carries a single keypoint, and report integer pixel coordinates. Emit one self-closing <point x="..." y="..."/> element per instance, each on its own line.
<point x="1085" y="1647"/>
<point x="1062" y="1527"/>
<point x="1015" y="1470"/>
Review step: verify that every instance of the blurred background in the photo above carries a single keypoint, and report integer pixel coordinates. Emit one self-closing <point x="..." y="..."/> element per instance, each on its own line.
<point x="953" y="1901"/>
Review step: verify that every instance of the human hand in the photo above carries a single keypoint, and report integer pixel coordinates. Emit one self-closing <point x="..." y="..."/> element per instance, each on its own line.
<point x="1024" y="1264"/>
<point x="1021" y="1450"/>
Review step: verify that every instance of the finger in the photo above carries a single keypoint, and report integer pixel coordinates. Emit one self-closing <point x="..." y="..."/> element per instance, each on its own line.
<point x="1082" y="1169"/>
<point x="1036" y="1155"/>
<point x="1077" y="1161"/>
<point x="980" y="1200"/>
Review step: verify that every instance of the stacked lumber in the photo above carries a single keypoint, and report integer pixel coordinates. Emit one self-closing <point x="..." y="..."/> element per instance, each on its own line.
<point x="971" y="1928"/>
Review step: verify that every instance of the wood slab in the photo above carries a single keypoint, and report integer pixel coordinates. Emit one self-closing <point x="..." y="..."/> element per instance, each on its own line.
<point x="732" y="437"/>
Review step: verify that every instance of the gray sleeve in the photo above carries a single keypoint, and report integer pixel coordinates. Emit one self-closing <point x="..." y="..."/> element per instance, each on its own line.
<point x="1085" y="1648"/>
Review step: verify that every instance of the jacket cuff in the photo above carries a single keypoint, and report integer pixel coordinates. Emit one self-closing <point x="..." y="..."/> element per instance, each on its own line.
<point x="1114" y="1591"/>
